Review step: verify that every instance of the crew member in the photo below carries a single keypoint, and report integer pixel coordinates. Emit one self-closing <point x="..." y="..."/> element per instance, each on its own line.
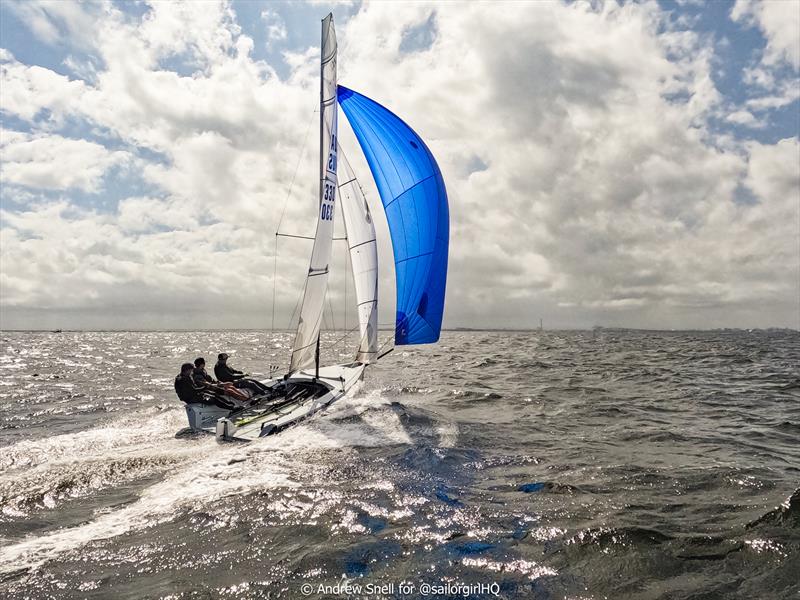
<point x="203" y="379"/>
<point x="190" y="393"/>
<point x="226" y="373"/>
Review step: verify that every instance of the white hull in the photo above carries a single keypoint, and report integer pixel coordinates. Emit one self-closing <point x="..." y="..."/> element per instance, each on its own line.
<point x="295" y="398"/>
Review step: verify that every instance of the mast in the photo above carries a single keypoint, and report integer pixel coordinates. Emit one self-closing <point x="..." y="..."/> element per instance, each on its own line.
<point x="321" y="149"/>
<point x="310" y="322"/>
<point x="316" y="360"/>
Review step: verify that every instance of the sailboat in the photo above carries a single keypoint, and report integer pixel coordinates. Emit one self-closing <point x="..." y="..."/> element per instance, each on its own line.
<point x="414" y="199"/>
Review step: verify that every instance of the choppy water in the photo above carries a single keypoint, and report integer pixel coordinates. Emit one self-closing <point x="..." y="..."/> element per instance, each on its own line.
<point x="604" y="464"/>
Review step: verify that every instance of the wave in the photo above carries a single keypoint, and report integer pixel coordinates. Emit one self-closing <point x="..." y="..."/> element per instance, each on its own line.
<point x="370" y="419"/>
<point x="551" y="487"/>
<point x="689" y="547"/>
<point x="694" y="547"/>
<point x="656" y="436"/>
<point x="786" y="514"/>
<point x="537" y="364"/>
<point x="788" y="427"/>
<point x="47" y="488"/>
<point x="133" y="431"/>
<point x="475" y="396"/>
<point x="404" y="390"/>
<point x="795" y="385"/>
<point x="604" y="537"/>
<point x="206" y="480"/>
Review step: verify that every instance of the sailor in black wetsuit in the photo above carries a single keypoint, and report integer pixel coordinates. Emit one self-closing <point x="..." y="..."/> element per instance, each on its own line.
<point x="203" y="379"/>
<point x="191" y="393"/>
<point x="226" y="373"/>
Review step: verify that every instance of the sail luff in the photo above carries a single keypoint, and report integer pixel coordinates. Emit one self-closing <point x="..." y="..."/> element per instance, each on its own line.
<point x="308" y="327"/>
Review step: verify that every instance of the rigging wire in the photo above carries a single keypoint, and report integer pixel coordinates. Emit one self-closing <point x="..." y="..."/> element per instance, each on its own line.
<point x="386" y="343"/>
<point x="296" y="305"/>
<point x="346" y="333"/>
<point x="274" y="280"/>
<point x="346" y="256"/>
<point x="296" y="169"/>
<point x="330" y="308"/>
<point x="283" y="212"/>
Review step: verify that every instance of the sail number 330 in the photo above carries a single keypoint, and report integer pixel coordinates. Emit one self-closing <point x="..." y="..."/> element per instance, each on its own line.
<point x="328" y="196"/>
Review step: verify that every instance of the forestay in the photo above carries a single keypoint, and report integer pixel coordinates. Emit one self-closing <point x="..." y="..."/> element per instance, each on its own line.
<point x="363" y="259"/>
<point x="415" y="201"/>
<point x="317" y="281"/>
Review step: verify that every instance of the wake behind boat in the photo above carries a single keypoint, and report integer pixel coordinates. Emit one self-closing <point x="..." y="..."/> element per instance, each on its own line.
<point x="414" y="199"/>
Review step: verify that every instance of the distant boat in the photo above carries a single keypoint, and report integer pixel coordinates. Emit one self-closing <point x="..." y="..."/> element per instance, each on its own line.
<point x="55" y="331"/>
<point x="414" y="199"/>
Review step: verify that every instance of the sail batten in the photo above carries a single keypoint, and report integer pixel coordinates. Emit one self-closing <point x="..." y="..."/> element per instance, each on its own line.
<point x="414" y="198"/>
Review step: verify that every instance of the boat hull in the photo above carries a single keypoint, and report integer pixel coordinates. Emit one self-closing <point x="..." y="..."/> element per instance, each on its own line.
<point x="314" y="394"/>
<point x="290" y="400"/>
<point x="204" y="417"/>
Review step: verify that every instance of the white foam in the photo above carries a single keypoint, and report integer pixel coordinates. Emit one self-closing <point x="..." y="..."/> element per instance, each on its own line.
<point x="448" y="435"/>
<point x="135" y="431"/>
<point x="214" y="472"/>
<point x="378" y="426"/>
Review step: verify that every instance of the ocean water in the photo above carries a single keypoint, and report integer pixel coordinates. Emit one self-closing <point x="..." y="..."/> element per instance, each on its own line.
<point x="552" y="465"/>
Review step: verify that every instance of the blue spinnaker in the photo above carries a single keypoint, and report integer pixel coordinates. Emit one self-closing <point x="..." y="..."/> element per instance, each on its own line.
<point x="415" y="200"/>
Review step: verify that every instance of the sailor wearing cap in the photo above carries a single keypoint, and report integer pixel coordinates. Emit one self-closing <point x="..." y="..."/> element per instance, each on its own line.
<point x="225" y="372"/>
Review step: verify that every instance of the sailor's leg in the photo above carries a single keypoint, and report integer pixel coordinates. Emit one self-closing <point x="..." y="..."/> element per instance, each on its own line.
<point x="223" y="402"/>
<point x="231" y="390"/>
<point x="252" y="384"/>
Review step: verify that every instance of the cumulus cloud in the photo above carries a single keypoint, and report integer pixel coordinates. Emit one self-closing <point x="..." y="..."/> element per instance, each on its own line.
<point x="780" y="23"/>
<point x="56" y="256"/>
<point x="773" y="173"/>
<point x="276" y="28"/>
<point x="585" y="184"/>
<point x="52" y="21"/>
<point x="27" y="90"/>
<point x="789" y="93"/>
<point x="173" y="28"/>
<point x="52" y="162"/>
<point x="746" y="118"/>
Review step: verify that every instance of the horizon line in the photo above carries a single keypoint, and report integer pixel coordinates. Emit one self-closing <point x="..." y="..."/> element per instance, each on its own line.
<point x="444" y="329"/>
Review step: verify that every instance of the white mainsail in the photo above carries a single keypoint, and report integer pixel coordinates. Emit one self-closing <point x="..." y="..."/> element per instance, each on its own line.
<point x="308" y="327"/>
<point x="363" y="260"/>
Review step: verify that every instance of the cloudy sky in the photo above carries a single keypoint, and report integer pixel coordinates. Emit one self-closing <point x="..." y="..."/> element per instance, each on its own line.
<point x="621" y="165"/>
